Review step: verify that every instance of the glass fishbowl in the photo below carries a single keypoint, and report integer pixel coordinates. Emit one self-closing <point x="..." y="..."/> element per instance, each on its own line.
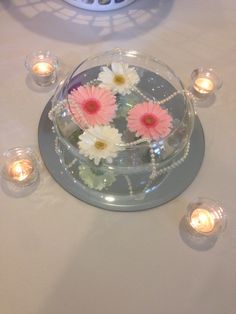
<point x="123" y="122"/>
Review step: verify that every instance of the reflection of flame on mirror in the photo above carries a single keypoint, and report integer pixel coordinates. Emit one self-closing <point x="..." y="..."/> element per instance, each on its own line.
<point x="60" y="20"/>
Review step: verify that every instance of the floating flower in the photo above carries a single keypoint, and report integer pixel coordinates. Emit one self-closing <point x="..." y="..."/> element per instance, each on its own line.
<point x="97" y="178"/>
<point x="91" y="105"/>
<point x="120" y="78"/>
<point x="100" y="142"/>
<point x="149" y="120"/>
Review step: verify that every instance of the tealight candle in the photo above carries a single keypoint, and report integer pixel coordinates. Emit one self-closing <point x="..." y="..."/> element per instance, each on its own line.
<point x="202" y="220"/>
<point x="205" y="81"/>
<point x="42" y="66"/>
<point x="20" y="166"/>
<point x="20" y="170"/>
<point x="203" y="85"/>
<point x="205" y="217"/>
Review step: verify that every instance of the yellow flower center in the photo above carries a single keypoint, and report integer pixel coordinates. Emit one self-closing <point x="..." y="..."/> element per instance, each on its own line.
<point x="149" y="120"/>
<point x="119" y="79"/>
<point x="100" y="145"/>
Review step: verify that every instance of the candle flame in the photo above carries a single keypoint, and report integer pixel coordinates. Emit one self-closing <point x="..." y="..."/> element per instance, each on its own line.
<point x="42" y="68"/>
<point x="203" y="85"/>
<point x="20" y="170"/>
<point x="202" y="220"/>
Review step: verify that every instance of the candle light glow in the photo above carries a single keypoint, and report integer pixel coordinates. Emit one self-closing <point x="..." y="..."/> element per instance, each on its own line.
<point x="202" y="220"/>
<point x="203" y="85"/>
<point x="42" y="68"/>
<point x="20" y="170"/>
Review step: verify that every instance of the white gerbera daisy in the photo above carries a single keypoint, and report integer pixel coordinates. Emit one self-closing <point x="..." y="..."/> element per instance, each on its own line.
<point x="120" y="78"/>
<point x="100" y="142"/>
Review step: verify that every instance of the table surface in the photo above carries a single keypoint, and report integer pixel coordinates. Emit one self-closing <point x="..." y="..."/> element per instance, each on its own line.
<point x="59" y="255"/>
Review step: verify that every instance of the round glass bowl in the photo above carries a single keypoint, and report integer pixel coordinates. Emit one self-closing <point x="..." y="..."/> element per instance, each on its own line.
<point x="139" y="165"/>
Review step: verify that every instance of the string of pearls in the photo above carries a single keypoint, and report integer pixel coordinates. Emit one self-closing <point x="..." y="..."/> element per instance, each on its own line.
<point x="160" y="102"/>
<point x="130" y="188"/>
<point x="71" y="164"/>
<point x="168" y="168"/>
<point x="176" y="163"/>
<point x="57" y="146"/>
<point x="60" y="106"/>
<point x="153" y="162"/>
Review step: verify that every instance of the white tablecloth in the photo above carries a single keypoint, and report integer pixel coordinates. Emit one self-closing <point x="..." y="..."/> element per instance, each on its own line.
<point x="59" y="255"/>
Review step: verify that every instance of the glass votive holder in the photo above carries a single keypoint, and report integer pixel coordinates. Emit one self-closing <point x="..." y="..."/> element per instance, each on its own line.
<point x="42" y="67"/>
<point x="20" y="166"/>
<point x="205" y="217"/>
<point x="205" y="82"/>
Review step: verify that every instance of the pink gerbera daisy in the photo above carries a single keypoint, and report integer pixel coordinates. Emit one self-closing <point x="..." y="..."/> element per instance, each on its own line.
<point x="149" y="120"/>
<point x="92" y="105"/>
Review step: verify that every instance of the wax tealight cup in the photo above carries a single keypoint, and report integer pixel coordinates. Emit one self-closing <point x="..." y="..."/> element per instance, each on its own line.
<point x="20" y="166"/>
<point x="205" y="82"/>
<point x="42" y="67"/>
<point x="205" y="217"/>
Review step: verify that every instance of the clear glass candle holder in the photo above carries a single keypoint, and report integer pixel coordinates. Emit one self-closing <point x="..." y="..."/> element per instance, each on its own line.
<point x="42" y="67"/>
<point x="20" y="166"/>
<point x="205" y="217"/>
<point x="205" y="81"/>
